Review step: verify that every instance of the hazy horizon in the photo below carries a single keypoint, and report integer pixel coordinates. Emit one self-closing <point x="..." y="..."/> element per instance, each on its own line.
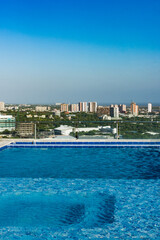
<point x="99" y="103"/>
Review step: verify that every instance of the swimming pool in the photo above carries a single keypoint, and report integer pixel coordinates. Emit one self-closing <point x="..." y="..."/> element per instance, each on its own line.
<point x="109" y="163"/>
<point x="79" y="193"/>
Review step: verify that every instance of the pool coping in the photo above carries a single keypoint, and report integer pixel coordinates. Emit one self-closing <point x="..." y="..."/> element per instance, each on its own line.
<point x="87" y="143"/>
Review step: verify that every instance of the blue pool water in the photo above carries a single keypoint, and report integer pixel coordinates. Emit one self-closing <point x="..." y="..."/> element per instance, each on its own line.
<point x="110" y="163"/>
<point x="56" y="210"/>
<point x="80" y="193"/>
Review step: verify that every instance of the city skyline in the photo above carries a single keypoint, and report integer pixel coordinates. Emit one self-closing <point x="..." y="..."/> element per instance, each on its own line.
<point x="77" y="51"/>
<point x="77" y="102"/>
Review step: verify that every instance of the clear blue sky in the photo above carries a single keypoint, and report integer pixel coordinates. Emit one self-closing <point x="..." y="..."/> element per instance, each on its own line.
<point x="74" y="50"/>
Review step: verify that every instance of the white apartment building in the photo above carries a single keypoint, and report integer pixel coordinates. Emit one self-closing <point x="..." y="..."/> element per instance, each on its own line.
<point x="137" y="109"/>
<point x="114" y="111"/>
<point x="64" y="107"/>
<point x="149" y="107"/>
<point x="83" y="107"/>
<point x="74" y="108"/>
<point x="92" y="106"/>
<point x="2" y="106"/>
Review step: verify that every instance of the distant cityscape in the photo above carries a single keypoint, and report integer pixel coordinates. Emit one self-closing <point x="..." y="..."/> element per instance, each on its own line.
<point x="21" y="118"/>
<point x="112" y="110"/>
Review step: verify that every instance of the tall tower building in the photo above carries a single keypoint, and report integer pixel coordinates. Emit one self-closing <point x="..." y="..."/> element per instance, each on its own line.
<point x="134" y="109"/>
<point x="74" y="108"/>
<point x="114" y="111"/>
<point x="92" y="106"/>
<point x="83" y="107"/>
<point x="122" y="108"/>
<point x="2" y="106"/>
<point x="64" y="107"/>
<point x="149" y="107"/>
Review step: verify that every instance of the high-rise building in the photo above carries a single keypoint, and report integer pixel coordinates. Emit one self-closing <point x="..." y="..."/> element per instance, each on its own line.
<point x="137" y="109"/>
<point x="92" y="106"/>
<point x="83" y="107"/>
<point x="2" y="106"/>
<point x="149" y="107"/>
<point x="74" y="108"/>
<point x="64" y="107"/>
<point x="114" y="111"/>
<point x="122" y="108"/>
<point x="134" y="109"/>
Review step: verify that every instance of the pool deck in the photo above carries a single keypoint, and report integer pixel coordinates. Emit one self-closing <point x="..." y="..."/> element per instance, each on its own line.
<point x="60" y="142"/>
<point x="4" y="143"/>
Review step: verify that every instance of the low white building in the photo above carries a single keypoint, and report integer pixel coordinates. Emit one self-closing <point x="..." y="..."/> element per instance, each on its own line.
<point x="66" y="130"/>
<point x="42" y="108"/>
<point x="106" y="129"/>
<point x="105" y="117"/>
<point x="7" y="122"/>
<point x="63" y="130"/>
<point x="88" y="129"/>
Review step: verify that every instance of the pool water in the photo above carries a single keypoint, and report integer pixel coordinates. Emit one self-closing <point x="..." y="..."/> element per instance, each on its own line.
<point x="109" y="163"/>
<point x="56" y="210"/>
<point x="85" y="193"/>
